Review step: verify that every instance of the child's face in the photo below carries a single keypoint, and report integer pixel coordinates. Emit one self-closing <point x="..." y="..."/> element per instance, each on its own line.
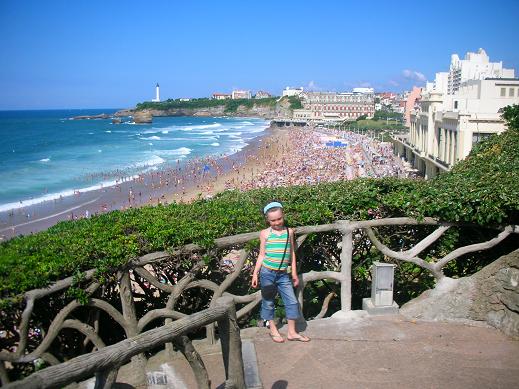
<point x="275" y="219"/>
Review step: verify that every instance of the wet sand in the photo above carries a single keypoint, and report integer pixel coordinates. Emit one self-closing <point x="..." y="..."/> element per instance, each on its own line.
<point x="152" y="188"/>
<point x="280" y="157"/>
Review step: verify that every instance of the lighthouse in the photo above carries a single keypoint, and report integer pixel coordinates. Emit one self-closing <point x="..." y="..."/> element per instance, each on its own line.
<point x="157" y="94"/>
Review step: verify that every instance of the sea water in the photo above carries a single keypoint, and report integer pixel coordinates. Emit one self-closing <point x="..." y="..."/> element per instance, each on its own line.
<point x="46" y="154"/>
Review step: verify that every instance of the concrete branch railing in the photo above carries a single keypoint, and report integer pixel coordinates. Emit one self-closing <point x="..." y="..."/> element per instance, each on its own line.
<point x="134" y="274"/>
<point x="105" y="362"/>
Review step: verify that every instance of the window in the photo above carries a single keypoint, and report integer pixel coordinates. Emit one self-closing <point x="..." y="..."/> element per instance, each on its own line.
<point x="479" y="136"/>
<point x="511" y="92"/>
<point x="455" y="105"/>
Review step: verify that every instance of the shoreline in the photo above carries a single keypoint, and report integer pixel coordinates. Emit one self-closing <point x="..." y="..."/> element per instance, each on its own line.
<point x="278" y="157"/>
<point x="201" y="177"/>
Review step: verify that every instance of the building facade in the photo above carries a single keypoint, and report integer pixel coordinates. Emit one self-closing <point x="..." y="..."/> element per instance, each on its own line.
<point x="460" y="108"/>
<point x="288" y="91"/>
<point x="411" y="102"/>
<point x="475" y="66"/>
<point x="221" y="96"/>
<point x="444" y="128"/>
<point x="336" y="106"/>
<point x="262" y="95"/>
<point x="241" y="94"/>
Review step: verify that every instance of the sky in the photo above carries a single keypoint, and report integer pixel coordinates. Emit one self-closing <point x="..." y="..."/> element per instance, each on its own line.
<point x="110" y="54"/>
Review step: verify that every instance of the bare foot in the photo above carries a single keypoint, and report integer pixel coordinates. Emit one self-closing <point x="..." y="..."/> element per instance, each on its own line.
<point x="299" y="338"/>
<point x="277" y="338"/>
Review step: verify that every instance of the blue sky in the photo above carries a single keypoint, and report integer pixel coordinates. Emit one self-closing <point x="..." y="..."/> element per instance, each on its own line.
<point x="100" y="54"/>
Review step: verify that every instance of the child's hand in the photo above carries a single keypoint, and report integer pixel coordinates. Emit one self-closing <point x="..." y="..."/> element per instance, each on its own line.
<point x="295" y="280"/>
<point x="254" y="282"/>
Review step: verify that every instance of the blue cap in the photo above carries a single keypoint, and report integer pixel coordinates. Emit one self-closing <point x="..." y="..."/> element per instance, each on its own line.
<point x="271" y="205"/>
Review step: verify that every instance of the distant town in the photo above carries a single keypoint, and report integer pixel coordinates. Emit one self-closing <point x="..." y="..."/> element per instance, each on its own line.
<point x="444" y="118"/>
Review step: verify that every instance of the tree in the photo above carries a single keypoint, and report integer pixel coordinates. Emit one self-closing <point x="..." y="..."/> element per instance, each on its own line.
<point x="510" y="114"/>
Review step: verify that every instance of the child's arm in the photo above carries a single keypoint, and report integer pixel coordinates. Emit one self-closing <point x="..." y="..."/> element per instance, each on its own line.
<point x="259" y="261"/>
<point x="295" y="278"/>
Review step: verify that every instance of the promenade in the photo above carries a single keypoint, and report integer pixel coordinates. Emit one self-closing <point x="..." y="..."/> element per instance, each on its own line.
<point x="359" y="351"/>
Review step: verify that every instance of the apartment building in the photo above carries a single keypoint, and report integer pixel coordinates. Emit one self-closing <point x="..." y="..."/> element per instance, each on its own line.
<point x="445" y="127"/>
<point x="332" y="106"/>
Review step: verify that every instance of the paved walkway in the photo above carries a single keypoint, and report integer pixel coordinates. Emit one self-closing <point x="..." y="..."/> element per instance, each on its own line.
<point x="359" y="351"/>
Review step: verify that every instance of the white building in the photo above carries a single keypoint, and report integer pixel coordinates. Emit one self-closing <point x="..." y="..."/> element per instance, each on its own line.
<point x="221" y="96"/>
<point x="288" y="91"/>
<point x="241" y="94"/>
<point x="445" y="127"/>
<point x="475" y="66"/>
<point x="368" y="91"/>
<point x="157" y="94"/>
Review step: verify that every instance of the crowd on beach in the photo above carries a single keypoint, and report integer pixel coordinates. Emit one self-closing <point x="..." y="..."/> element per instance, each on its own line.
<point x="309" y="157"/>
<point x="291" y="156"/>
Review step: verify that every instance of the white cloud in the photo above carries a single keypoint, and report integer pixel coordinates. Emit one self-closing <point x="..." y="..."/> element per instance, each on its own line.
<point x="413" y="75"/>
<point x="393" y="83"/>
<point x="313" y="86"/>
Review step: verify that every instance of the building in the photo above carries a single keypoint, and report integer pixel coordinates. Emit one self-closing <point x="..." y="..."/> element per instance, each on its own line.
<point x="445" y="126"/>
<point x="157" y="94"/>
<point x="241" y="94"/>
<point x="336" y="106"/>
<point x="262" y="95"/>
<point x="475" y="66"/>
<point x="367" y="91"/>
<point x="302" y="114"/>
<point x="221" y="96"/>
<point x="411" y="103"/>
<point x="288" y="91"/>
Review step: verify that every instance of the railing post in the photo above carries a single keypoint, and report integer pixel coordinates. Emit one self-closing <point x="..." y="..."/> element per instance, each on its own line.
<point x="130" y="316"/>
<point x="230" y="341"/>
<point x="106" y="378"/>
<point x="346" y="261"/>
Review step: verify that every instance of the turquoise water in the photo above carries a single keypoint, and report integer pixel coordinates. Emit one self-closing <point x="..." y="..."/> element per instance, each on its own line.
<point x="45" y="155"/>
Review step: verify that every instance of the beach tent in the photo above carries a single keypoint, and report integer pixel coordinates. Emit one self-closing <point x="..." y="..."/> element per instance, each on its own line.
<point x="336" y="143"/>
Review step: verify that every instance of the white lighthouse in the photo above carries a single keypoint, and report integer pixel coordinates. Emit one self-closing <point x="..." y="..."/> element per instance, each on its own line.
<point x="157" y="94"/>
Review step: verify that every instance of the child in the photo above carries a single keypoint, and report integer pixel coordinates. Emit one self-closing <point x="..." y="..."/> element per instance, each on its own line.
<point x="276" y="254"/>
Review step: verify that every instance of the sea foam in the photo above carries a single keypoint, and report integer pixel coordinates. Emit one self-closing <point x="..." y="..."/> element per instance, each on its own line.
<point x="154" y="160"/>
<point x="179" y="151"/>
<point x="58" y="195"/>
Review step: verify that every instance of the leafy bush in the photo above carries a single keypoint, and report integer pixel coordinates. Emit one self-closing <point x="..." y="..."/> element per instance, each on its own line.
<point x="295" y="102"/>
<point x="481" y="189"/>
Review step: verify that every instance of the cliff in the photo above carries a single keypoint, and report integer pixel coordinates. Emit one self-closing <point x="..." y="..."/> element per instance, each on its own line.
<point x="251" y="108"/>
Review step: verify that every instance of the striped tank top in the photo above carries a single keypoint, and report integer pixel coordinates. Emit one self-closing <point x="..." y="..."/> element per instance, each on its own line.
<point x="274" y="249"/>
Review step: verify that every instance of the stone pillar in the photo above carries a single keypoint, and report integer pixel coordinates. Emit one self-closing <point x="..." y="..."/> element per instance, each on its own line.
<point x="346" y="261"/>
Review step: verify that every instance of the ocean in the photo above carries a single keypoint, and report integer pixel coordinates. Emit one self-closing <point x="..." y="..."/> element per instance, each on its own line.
<point x="45" y="154"/>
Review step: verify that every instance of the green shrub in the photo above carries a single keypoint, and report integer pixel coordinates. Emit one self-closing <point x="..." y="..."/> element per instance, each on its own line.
<point x="481" y="189"/>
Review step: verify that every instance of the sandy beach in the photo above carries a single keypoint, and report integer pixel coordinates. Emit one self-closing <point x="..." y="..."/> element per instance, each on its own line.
<point x="279" y="157"/>
<point x="199" y="178"/>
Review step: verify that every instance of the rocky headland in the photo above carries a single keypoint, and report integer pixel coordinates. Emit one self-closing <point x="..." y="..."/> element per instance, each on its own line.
<point x="281" y="108"/>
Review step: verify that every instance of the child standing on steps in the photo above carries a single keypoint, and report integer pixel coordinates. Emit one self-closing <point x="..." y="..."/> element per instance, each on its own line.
<point x="277" y="252"/>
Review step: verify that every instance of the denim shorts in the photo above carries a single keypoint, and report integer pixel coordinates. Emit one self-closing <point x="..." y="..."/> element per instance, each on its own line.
<point x="286" y="290"/>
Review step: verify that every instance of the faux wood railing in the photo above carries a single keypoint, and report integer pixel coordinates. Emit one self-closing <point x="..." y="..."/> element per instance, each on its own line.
<point x="105" y="362"/>
<point x="133" y="326"/>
